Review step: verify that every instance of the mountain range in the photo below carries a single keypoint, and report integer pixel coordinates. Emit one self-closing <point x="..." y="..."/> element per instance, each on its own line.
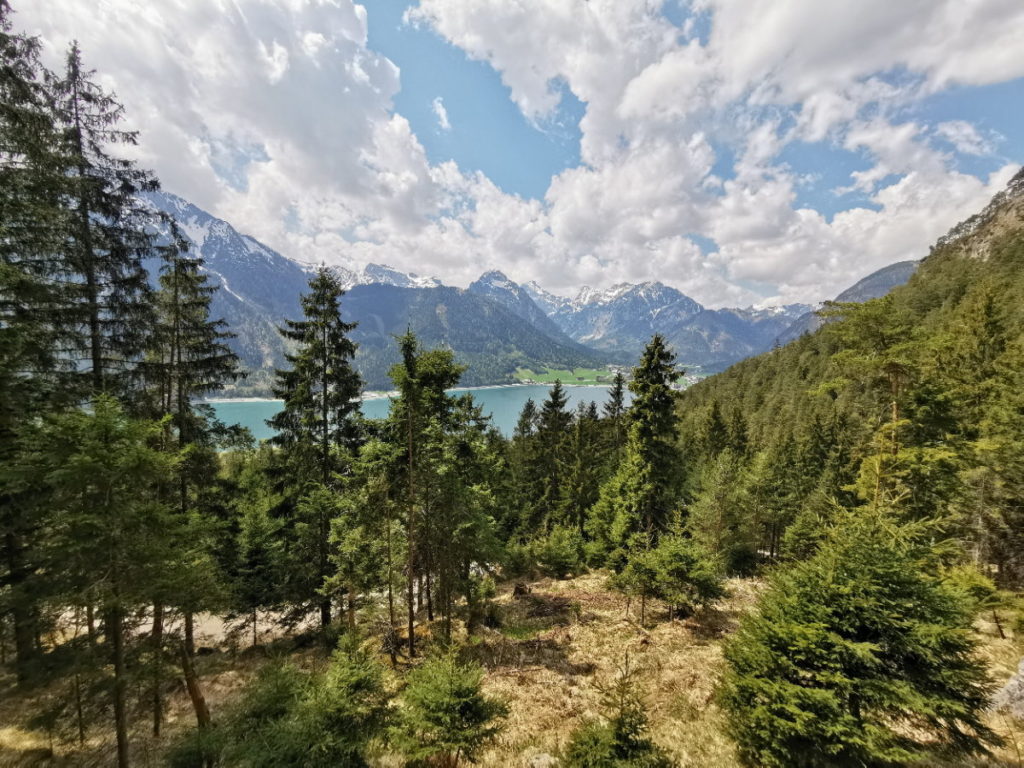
<point x="495" y="326"/>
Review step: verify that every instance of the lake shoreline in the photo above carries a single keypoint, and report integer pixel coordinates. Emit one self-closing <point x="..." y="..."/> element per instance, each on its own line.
<point x="375" y="395"/>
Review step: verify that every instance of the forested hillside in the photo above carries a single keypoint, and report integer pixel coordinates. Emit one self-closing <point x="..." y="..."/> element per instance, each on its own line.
<point x="813" y="559"/>
<point x="915" y="396"/>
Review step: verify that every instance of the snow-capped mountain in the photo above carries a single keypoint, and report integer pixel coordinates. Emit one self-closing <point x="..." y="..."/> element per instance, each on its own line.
<point x="621" y="319"/>
<point x="495" y="285"/>
<point x="261" y="288"/>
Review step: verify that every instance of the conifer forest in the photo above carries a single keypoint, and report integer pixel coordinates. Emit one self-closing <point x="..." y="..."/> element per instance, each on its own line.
<point x="814" y="558"/>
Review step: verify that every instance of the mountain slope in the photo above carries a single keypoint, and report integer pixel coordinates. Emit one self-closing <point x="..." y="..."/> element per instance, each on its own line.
<point x="957" y="327"/>
<point x="261" y="288"/>
<point x="874" y="286"/>
<point x="485" y="335"/>
<point x="517" y="299"/>
<point x="622" y="319"/>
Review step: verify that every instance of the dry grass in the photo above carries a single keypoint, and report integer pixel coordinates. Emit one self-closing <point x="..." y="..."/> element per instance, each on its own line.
<point x="553" y="648"/>
<point x="549" y="678"/>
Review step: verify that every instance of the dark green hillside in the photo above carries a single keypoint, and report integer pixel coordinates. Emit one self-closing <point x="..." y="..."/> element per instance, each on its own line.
<point x="484" y="335"/>
<point x="929" y="377"/>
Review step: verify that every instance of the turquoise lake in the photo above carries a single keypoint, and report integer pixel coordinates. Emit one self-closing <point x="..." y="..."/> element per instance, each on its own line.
<point x="503" y="404"/>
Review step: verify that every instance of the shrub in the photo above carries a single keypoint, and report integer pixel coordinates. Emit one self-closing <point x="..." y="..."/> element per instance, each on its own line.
<point x="288" y="717"/>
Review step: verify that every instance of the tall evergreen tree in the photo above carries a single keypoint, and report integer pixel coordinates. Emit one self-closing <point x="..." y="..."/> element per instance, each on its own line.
<point x="614" y="411"/>
<point x="639" y="497"/>
<point x="315" y="428"/>
<point x="321" y="389"/>
<point x="552" y="431"/>
<point x="110" y="234"/>
<point x="110" y="537"/>
<point x="32" y="337"/>
<point x="186" y="357"/>
<point x="419" y="419"/>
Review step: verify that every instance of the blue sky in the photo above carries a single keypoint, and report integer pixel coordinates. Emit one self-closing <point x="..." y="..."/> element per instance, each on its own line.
<point x="488" y="133"/>
<point x="747" y="152"/>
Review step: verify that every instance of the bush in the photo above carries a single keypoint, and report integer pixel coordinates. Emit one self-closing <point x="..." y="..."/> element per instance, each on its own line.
<point x="677" y="571"/>
<point x="518" y="561"/>
<point x="444" y="716"/>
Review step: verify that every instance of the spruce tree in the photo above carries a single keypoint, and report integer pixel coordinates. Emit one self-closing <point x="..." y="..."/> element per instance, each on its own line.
<point x="321" y="389"/>
<point x="419" y="420"/>
<point x="614" y="411"/>
<point x="110" y="537"/>
<point x="445" y="717"/>
<point x="552" y="431"/>
<point x="861" y="655"/>
<point x="620" y="739"/>
<point x="580" y="486"/>
<point x="639" y="497"/>
<point x="111" y="232"/>
<point x="32" y="334"/>
<point x="315" y="428"/>
<point x="186" y="358"/>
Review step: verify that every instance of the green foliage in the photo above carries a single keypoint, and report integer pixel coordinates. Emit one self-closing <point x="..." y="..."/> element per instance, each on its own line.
<point x="641" y="494"/>
<point x="619" y="740"/>
<point x="861" y="655"/>
<point x="678" y="571"/>
<point x="724" y="517"/>
<point x="560" y="553"/>
<point x="444" y="716"/>
<point x="288" y="717"/>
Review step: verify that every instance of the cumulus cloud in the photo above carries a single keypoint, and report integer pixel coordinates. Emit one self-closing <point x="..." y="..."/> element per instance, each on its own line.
<point x="278" y="117"/>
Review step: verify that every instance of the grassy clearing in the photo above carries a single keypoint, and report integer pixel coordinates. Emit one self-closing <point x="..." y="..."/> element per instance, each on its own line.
<point x="576" y="376"/>
<point x="545" y="659"/>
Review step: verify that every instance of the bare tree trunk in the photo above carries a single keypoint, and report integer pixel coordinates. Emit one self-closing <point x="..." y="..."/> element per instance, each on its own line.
<point x="190" y="634"/>
<point x="90" y="622"/>
<point x="195" y="692"/>
<point x="158" y="660"/>
<point x="79" y="716"/>
<point x="114" y="625"/>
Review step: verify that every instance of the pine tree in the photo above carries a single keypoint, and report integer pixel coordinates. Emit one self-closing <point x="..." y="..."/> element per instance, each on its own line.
<point x="321" y="389"/>
<point x="615" y="412"/>
<point x="861" y="655"/>
<point x="315" y="428"/>
<point x="259" y="571"/>
<point x="186" y="358"/>
<point x="419" y="419"/>
<point x="552" y="431"/>
<point x="640" y="496"/>
<point x="111" y="232"/>
<point x="724" y="517"/>
<point x="580" y="487"/>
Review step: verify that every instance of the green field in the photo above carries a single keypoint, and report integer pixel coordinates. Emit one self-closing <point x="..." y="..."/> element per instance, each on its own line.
<point x="576" y="376"/>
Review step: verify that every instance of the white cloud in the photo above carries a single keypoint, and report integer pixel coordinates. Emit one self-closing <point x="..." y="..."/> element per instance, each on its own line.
<point x="441" y="113"/>
<point x="278" y="117"/>
<point x="965" y="138"/>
